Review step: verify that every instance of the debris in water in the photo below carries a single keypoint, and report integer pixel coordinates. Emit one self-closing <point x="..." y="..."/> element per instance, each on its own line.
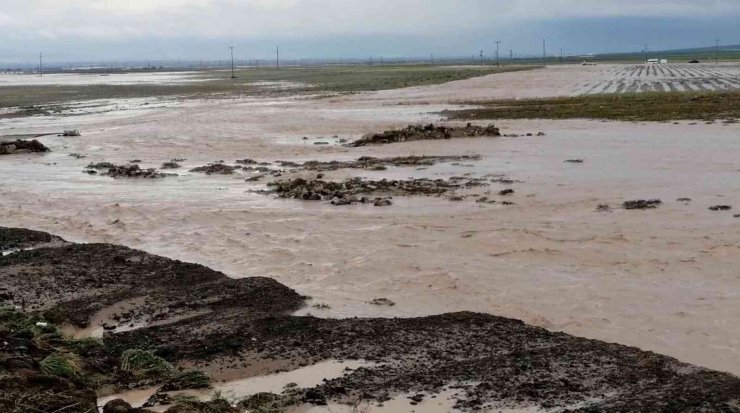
<point x="382" y="301"/>
<point x="72" y="132"/>
<point x="642" y="204"/>
<point x="720" y="208"/>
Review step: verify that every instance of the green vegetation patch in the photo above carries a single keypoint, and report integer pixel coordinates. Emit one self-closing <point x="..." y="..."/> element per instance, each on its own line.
<point x="653" y="106"/>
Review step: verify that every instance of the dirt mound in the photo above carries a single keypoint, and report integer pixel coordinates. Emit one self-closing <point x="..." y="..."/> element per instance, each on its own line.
<point x="17" y="238"/>
<point x="215" y="168"/>
<point x="21" y="146"/>
<point x="86" y="278"/>
<point x="317" y="189"/>
<point x="427" y="132"/>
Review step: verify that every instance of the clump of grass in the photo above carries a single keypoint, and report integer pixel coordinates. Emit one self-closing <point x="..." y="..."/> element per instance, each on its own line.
<point x="145" y="364"/>
<point x="188" y="380"/>
<point x="65" y="365"/>
<point x="262" y="403"/>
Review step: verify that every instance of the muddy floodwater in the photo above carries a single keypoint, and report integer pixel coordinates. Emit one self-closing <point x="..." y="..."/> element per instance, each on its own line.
<point x="663" y="279"/>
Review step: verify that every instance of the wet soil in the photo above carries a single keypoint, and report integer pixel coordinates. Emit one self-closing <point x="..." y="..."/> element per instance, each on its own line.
<point x="427" y="132"/>
<point x="493" y="361"/>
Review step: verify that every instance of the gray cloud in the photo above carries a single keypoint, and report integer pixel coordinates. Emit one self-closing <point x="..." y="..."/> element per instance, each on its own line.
<point x="79" y="22"/>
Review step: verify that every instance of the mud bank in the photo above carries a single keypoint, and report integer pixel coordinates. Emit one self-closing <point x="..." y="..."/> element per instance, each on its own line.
<point x="191" y="314"/>
<point x="427" y="132"/>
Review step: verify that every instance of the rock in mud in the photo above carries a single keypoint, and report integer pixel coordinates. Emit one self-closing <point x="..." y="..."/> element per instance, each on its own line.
<point x="21" y="146"/>
<point x="642" y="204"/>
<point x="72" y="132"/>
<point x="427" y="132"/>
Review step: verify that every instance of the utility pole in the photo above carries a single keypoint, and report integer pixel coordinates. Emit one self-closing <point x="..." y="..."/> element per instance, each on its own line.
<point x="233" y="76"/>
<point x="498" y="61"/>
<point x="277" y="57"/>
<point x="41" y="65"/>
<point x="716" y="51"/>
<point x="431" y="56"/>
<point x="646" y="53"/>
<point x="482" y="63"/>
<point x="511" y="56"/>
<point x="561" y="55"/>
<point x="544" y="52"/>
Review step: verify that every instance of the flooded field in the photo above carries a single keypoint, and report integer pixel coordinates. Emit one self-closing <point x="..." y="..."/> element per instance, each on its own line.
<point x="559" y="251"/>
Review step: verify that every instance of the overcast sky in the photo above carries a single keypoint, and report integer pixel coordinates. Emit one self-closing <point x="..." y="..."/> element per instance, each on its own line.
<point x="203" y="29"/>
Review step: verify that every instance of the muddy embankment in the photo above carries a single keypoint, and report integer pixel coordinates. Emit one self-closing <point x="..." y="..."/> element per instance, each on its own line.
<point x="187" y="314"/>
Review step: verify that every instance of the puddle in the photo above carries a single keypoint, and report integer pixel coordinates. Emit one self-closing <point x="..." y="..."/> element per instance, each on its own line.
<point x="305" y="377"/>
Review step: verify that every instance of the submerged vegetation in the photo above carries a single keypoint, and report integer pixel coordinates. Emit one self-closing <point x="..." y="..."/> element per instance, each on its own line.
<point x="655" y="106"/>
<point x="41" y="370"/>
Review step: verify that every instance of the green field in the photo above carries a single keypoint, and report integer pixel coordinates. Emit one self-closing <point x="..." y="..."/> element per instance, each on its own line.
<point x="653" y="106"/>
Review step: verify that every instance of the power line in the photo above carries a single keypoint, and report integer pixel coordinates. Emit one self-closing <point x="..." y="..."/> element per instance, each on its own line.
<point x="498" y="64"/>
<point x="716" y="51"/>
<point x="233" y="76"/>
<point x="544" y="52"/>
